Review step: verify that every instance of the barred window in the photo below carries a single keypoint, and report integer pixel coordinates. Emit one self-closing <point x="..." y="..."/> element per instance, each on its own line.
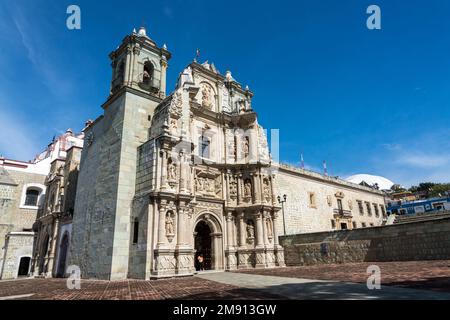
<point x="31" y="197"/>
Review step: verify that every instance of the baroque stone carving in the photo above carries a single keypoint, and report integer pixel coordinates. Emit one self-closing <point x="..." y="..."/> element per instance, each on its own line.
<point x="170" y="229"/>
<point x="172" y="170"/>
<point x="207" y="96"/>
<point x="176" y="103"/>
<point x="329" y="201"/>
<point x="269" y="228"/>
<point x="266" y="190"/>
<point x="250" y="231"/>
<point x="247" y="188"/>
<point x="233" y="188"/>
<point x="350" y="204"/>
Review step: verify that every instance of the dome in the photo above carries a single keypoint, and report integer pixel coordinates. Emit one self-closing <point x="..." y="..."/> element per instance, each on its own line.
<point x="383" y="183"/>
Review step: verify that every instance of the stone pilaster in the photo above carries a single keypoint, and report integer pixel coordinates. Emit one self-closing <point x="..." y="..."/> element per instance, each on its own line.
<point x="52" y="253"/>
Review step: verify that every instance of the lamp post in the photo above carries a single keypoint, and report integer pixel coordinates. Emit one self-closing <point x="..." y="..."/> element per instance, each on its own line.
<point x="282" y="209"/>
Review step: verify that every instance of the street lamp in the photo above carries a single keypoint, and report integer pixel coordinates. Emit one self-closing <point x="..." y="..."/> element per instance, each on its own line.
<point x="282" y="209"/>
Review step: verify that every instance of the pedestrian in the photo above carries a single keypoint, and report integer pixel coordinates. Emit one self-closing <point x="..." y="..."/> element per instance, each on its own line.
<point x="200" y="261"/>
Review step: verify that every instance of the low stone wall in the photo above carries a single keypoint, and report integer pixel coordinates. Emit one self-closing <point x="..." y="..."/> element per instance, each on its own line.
<point x="424" y="240"/>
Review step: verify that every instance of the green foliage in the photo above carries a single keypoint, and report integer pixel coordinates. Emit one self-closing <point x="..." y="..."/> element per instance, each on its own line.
<point x="432" y="189"/>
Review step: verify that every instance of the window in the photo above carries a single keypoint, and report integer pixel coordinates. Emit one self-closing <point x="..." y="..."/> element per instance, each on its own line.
<point x="343" y="226"/>
<point x="333" y="224"/>
<point x="360" y="207"/>
<point x="148" y="73"/>
<point x="204" y="147"/>
<point x="312" y="199"/>
<point x="31" y="197"/>
<point x="363" y="224"/>
<point x="375" y="208"/>
<point x="135" y="231"/>
<point x="339" y="202"/>
<point x="369" y="209"/>
<point x="383" y="210"/>
<point x="354" y="224"/>
<point x="371" y="224"/>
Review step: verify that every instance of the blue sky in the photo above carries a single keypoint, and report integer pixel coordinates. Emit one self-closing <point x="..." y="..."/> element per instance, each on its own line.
<point x="366" y="101"/>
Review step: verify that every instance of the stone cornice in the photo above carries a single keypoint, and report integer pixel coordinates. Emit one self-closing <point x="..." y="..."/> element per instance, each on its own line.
<point x="326" y="179"/>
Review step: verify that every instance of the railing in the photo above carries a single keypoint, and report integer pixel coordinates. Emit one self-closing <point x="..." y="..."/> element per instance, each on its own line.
<point x="342" y="212"/>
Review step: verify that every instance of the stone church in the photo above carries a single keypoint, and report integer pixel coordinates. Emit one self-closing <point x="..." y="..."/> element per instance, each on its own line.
<point x="166" y="179"/>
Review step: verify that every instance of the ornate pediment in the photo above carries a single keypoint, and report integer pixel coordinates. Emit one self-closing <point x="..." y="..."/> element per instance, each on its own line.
<point x="339" y="194"/>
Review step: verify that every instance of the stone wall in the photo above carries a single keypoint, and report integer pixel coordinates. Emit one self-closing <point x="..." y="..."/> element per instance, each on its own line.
<point x="18" y="245"/>
<point x="302" y="217"/>
<point x="424" y="240"/>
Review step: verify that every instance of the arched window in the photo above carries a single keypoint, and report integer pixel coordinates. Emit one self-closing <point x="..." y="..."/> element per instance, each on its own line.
<point x="31" y="197"/>
<point x="135" y="231"/>
<point x="120" y="71"/>
<point x="148" y="73"/>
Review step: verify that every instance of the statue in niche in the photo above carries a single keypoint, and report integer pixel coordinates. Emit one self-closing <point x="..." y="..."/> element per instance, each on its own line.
<point x="200" y="184"/>
<point x="266" y="189"/>
<point x="269" y="228"/>
<point x="172" y="172"/>
<point x="169" y="224"/>
<point x="250" y="230"/>
<point x="246" y="147"/>
<point x="206" y="96"/>
<point x="247" y="189"/>
<point x="233" y="188"/>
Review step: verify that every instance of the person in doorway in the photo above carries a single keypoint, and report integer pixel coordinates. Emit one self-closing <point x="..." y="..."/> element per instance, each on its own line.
<point x="200" y="261"/>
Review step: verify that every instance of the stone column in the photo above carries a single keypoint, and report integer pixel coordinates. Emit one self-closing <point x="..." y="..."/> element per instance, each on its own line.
<point x="51" y="257"/>
<point x="164" y="169"/>
<point x="242" y="231"/>
<point x="183" y="175"/>
<point x="271" y="181"/>
<point x="229" y="230"/>
<point x="240" y="188"/>
<point x="265" y="231"/>
<point x="256" y="187"/>
<point x="163" y="76"/>
<point x="275" y="229"/>
<point x="162" y="226"/>
<point x="180" y="227"/>
<point x="259" y="230"/>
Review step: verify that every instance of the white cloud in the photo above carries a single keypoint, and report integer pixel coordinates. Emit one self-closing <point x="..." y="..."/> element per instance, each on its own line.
<point x="424" y="160"/>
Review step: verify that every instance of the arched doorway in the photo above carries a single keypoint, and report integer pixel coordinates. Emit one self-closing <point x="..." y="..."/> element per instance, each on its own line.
<point x="61" y="271"/>
<point x="203" y="245"/>
<point x="208" y="241"/>
<point x="24" y="266"/>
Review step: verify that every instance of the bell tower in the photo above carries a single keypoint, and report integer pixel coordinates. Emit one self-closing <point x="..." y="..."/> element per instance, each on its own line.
<point x="140" y="64"/>
<point x="107" y="176"/>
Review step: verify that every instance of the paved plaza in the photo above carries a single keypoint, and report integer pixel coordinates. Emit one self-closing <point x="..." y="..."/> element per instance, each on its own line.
<point x="399" y="280"/>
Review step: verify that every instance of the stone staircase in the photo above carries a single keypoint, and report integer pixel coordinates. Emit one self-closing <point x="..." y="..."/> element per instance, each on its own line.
<point x="420" y="217"/>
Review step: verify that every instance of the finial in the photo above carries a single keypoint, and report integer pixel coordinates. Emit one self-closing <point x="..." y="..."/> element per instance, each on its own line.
<point x="142" y="32"/>
<point x="228" y="75"/>
<point x="164" y="46"/>
<point x="134" y="30"/>
<point x="197" y="54"/>
<point x="247" y="88"/>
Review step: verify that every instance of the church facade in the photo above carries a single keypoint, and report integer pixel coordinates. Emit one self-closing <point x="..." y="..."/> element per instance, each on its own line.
<point x="166" y="179"/>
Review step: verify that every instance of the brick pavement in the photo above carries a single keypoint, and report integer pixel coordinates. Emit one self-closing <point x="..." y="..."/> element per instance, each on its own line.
<point x="427" y="275"/>
<point x="181" y="288"/>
